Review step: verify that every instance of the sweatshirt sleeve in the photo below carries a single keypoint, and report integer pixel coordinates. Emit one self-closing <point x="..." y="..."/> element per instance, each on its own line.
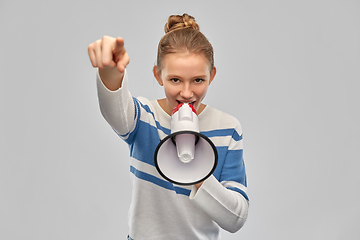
<point x="226" y="207"/>
<point x="117" y="107"/>
<point x="225" y="199"/>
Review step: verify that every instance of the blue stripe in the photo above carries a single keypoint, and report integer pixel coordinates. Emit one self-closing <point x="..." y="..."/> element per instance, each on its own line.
<point x="237" y="137"/>
<point x="162" y="183"/>
<point x="137" y="108"/>
<point x="239" y="191"/>
<point x="167" y="131"/>
<point x="143" y="147"/>
<point x="147" y="109"/>
<point x="136" y="114"/>
<point x="138" y="105"/>
<point x="234" y="169"/>
<point x="137" y="119"/>
<point x="223" y="133"/>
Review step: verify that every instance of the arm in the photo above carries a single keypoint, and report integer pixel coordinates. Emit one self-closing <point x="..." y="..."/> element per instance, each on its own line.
<point x="117" y="107"/>
<point x="110" y="57"/>
<point x="226" y="207"/>
<point x="225" y="199"/>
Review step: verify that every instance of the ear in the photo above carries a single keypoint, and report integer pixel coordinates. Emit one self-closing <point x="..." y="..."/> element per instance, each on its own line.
<point x="213" y="73"/>
<point x="157" y="75"/>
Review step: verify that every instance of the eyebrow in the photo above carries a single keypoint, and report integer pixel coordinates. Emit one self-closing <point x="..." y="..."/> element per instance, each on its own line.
<point x="172" y="76"/>
<point x="201" y="76"/>
<point x="176" y="76"/>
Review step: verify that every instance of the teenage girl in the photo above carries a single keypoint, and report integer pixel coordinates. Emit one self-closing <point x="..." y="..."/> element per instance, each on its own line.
<point x="185" y="68"/>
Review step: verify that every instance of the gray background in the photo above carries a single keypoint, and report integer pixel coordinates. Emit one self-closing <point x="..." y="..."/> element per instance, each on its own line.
<point x="288" y="70"/>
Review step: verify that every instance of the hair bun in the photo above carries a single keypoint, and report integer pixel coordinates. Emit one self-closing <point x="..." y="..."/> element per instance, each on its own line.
<point x="177" y="22"/>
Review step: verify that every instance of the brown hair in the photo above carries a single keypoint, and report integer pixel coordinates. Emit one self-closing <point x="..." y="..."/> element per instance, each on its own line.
<point x="182" y="33"/>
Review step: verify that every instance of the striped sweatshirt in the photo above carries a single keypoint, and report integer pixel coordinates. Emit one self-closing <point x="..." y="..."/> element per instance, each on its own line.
<point x="159" y="209"/>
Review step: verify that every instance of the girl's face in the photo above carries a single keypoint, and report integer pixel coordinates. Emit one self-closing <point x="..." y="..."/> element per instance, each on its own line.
<point x="186" y="78"/>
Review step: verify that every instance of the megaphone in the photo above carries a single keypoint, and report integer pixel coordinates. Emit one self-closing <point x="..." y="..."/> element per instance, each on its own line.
<point x="186" y="156"/>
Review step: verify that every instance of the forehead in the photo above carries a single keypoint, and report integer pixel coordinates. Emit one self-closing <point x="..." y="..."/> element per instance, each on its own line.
<point x="181" y="62"/>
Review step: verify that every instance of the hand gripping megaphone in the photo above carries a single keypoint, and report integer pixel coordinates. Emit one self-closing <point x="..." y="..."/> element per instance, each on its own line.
<point x="186" y="156"/>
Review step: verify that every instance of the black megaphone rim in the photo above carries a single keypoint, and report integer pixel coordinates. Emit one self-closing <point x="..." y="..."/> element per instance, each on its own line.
<point x="172" y="136"/>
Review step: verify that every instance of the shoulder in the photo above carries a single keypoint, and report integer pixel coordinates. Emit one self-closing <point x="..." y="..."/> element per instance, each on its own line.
<point x="150" y="109"/>
<point x="145" y="104"/>
<point x="152" y="105"/>
<point x="217" y="119"/>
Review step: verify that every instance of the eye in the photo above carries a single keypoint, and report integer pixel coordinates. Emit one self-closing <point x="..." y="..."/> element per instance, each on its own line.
<point x="198" y="80"/>
<point x="175" y="80"/>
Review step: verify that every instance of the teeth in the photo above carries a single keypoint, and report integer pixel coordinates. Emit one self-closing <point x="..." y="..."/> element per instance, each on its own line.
<point x="192" y="103"/>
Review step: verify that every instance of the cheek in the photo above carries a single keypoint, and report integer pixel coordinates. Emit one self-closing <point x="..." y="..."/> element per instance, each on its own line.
<point x="201" y="92"/>
<point x="170" y="92"/>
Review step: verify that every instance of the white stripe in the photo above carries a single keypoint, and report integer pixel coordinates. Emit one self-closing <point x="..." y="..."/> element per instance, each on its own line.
<point x="144" y="167"/>
<point x="236" y="145"/>
<point x="162" y="135"/>
<point x="234" y="184"/>
<point x="223" y="141"/>
<point x="151" y="119"/>
<point x="147" y="117"/>
<point x="151" y="170"/>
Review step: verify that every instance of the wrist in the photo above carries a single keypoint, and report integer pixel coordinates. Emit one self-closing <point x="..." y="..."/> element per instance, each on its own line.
<point x="111" y="78"/>
<point x="198" y="185"/>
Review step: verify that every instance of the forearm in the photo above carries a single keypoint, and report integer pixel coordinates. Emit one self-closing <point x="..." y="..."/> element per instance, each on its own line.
<point x="111" y="78"/>
<point x="227" y="208"/>
<point x="117" y="107"/>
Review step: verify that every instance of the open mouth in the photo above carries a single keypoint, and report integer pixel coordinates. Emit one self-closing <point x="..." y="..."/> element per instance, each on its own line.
<point x="191" y="103"/>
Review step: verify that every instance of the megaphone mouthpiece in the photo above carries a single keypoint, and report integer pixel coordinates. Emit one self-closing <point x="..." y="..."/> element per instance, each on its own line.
<point x="184" y="117"/>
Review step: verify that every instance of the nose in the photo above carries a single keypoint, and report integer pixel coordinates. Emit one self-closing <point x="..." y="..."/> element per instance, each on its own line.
<point x="186" y="92"/>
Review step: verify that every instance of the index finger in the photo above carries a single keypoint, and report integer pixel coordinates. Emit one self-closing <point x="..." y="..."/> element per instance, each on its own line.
<point x="119" y="46"/>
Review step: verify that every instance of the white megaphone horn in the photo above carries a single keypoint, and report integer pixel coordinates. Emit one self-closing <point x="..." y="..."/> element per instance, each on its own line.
<point x="186" y="156"/>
